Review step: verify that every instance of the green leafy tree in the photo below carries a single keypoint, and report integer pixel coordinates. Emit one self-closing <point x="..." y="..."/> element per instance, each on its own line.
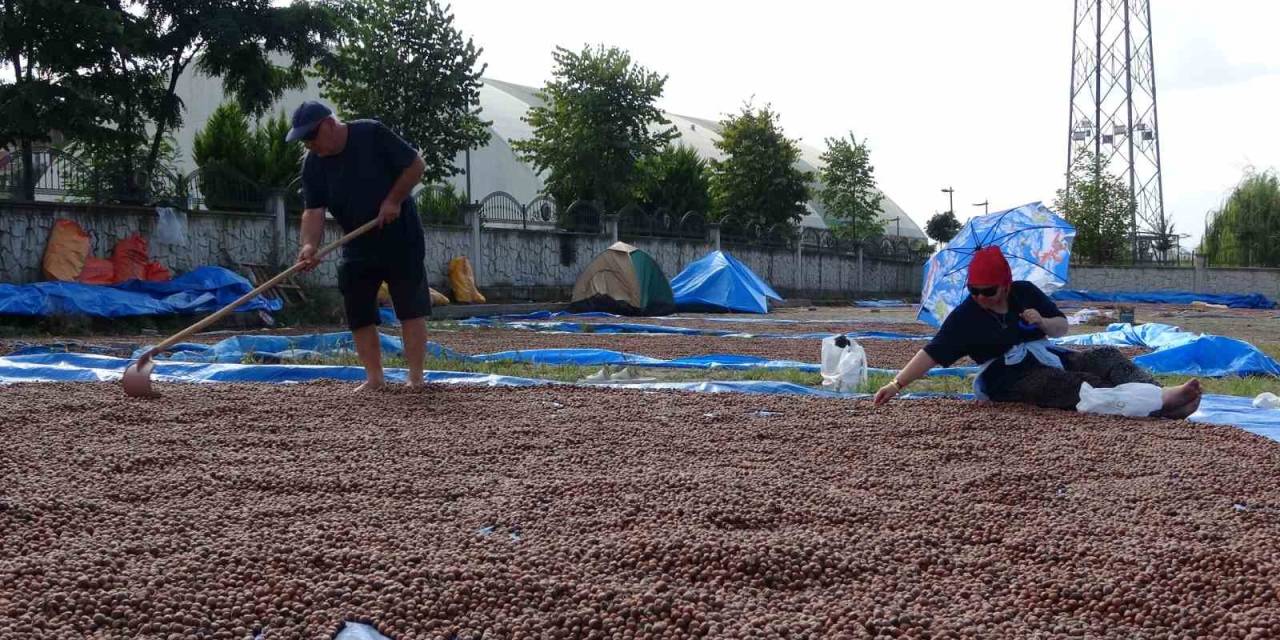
<point x="942" y="227"/>
<point x="440" y="204"/>
<point x="1246" y="229"/>
<point x="235" y="40"/>
<point x="237" y="164"/>
<point x="757" y="184"/>
<point x="1100" y="207"/>
<point x="599" y="120"/>
<point x="52" y="53"/>
<point x="404" y="63"/>
<point x="275" y="162"/>
<point x="849" y="190"/>
<point x="676" y="179"/>
<point x="99" y="176"/>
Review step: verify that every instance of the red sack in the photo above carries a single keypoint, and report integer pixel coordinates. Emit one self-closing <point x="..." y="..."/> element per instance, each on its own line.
<point x="130" y="258"/>
<point x="156" y="272"/>
<point x="97" y="271"/>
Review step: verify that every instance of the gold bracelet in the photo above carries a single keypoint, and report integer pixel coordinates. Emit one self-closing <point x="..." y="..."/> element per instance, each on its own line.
<point x="896" y="383"/>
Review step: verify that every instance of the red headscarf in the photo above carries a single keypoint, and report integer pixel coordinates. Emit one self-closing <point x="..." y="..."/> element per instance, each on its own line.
<point x="989" y="268"/>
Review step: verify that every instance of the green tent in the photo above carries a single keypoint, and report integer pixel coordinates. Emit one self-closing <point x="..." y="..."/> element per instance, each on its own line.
<point x="623" y="280"/>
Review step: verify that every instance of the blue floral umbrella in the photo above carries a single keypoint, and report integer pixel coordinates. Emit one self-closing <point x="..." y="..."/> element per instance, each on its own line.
<point x="1035" y="241"/>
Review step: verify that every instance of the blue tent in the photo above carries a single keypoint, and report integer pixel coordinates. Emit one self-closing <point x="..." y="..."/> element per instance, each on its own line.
<point x="718" y="282"/>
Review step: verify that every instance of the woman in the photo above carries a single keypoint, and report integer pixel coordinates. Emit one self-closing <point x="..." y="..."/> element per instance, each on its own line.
<point x="1003" y="326"/>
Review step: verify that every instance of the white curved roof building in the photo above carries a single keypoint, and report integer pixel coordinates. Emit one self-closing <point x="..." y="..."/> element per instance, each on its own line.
<point x="496" y="167"/>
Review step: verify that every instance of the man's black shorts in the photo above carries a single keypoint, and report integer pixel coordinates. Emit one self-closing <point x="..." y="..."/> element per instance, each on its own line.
<point x="406" y="278"/>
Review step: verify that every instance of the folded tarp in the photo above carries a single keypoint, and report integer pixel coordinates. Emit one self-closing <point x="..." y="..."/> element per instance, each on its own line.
<point x="202" y="290"/>
<point x="1238" y="301"/>
<point x="79" y="367"/>
<point x="1183" y="353"/>
<point x="719" y="282"/>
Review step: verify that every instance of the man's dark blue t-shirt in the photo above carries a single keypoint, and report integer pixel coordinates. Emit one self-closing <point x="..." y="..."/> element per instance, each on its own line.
<point x="983" y="335"/>
<point x="353" y="183"/>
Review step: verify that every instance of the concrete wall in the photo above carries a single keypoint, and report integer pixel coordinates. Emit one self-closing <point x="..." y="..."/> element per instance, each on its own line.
<point x="1198" y="280"/>
<point x="513" y="263"/>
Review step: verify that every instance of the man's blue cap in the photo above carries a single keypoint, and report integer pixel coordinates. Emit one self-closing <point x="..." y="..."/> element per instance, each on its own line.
<point x="306" y="117"/>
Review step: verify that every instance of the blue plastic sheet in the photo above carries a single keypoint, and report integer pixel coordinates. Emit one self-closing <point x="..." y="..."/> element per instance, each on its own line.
<point x="1237" y="301"/>
<point x="1238" y="412"/>
<point x="1183" y="353"/>
<point x="77" y="367"/>
<point x="880" y="304"/>
<point x="639" y="328"/>
<point x="719" y="282"/>
<point x="202" y="290"/>
<point x="80" y="367"/>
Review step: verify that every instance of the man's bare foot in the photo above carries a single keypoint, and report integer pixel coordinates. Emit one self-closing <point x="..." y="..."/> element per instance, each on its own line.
<point x="371" y="386"/>
<point x="417" y="385"/>
<point x="1181" y="401"/>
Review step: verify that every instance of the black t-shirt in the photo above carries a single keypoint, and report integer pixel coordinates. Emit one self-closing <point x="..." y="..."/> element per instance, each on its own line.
<point x="353" y="183"/>
<point x="983" y="335"/>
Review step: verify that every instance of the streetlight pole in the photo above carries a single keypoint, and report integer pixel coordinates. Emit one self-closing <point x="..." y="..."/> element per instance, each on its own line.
<point x="951" y="199"/>
<point x="983" y="204"/>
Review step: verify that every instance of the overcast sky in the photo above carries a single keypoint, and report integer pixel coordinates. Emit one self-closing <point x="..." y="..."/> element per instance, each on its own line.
<point x="969" y="94"/>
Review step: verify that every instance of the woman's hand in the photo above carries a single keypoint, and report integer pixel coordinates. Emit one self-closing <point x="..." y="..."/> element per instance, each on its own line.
<point x="886" y="393"/>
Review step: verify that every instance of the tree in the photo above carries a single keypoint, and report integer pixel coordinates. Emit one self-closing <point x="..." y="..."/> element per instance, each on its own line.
<point x="404" y="63"/>
<point x="234" y="40"/>
<point x="1246" y="229"/>
<point x="849" y="190"/>
<point x="229" y="154"/>
<point x="599" y="120"/>
<point x="1100" y="207"/>
<point x="942" y="227"/>
<point x="675" y="179"/>
<point x="51" y="52"/>
<point x="757" y="184"/>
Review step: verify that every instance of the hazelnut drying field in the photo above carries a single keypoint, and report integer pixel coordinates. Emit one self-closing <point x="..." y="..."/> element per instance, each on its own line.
<point x="229" y="511"/>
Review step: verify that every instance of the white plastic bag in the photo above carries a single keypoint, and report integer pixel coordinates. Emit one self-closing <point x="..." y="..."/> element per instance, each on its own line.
<point x="171" y="228"/>
<point x="1133" y="399"/>
<point x="844" y="364"/>
<point x="1266" y="400"/>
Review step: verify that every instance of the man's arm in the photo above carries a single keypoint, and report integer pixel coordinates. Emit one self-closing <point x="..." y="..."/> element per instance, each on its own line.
<point x="390" y="209"/>
<point x="310" y="237"/>
<point x="1054" y="327"/>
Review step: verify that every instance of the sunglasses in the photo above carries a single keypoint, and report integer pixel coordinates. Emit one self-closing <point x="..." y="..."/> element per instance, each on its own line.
<point x="311" y="135"/>
<point x="984" y="291"/>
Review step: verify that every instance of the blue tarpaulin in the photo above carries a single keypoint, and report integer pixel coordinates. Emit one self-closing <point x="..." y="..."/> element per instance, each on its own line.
<point x="1183" y="353"/>
<point x="202" y="290"/>
<point x="718" y="282"/>
<point x="880" y="304"/>
<point x="82" y="367"/>
<point x="1238" y="301"/>
<point x="79" y="367"/>
<point x="640" y="328"/>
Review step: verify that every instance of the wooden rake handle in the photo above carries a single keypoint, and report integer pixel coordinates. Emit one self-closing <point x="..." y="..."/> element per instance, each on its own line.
<point x="219" y="314"/>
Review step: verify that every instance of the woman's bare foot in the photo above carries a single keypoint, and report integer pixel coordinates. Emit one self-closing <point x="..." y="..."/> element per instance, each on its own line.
<point x="417" y="385"/>
<point x="1181" y="401"/>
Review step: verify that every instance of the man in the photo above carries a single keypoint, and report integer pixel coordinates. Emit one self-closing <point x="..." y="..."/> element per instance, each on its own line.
<point x="360" y="171"/>
<point x="1003" y="326"/>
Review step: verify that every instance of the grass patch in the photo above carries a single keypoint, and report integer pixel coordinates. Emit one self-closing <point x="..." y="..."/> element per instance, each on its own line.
<point x="1245" y="387"/>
